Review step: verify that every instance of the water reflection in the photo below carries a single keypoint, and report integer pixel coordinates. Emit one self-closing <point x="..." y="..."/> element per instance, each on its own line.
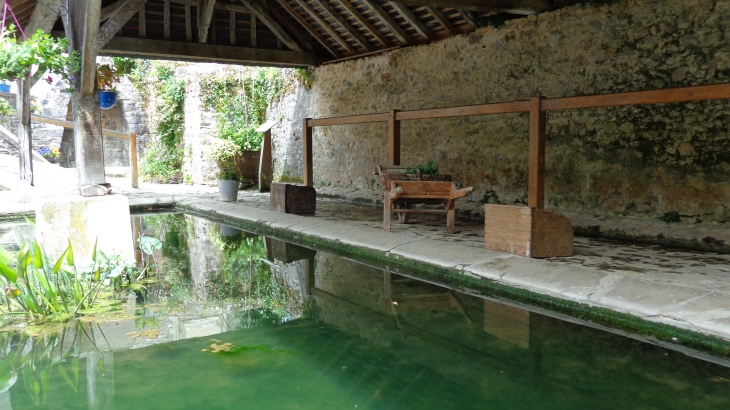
<point x="299" y="328"/>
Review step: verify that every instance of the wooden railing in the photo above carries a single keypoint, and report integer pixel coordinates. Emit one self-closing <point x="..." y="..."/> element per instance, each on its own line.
<point x="536" y="106"/>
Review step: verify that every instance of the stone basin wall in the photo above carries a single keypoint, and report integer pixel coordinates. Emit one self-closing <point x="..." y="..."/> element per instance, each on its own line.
<point x="633" y="161"/>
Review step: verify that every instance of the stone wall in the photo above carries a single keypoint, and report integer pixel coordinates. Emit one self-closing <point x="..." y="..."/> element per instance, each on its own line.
<point x="633" y="161"/>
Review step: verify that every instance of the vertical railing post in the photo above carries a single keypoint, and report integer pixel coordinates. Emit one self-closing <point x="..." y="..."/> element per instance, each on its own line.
<point x="536" y="186"/>
<point x="133" y="159"/>
<point x="307" y="152"/>
<point x="393" y="138"/>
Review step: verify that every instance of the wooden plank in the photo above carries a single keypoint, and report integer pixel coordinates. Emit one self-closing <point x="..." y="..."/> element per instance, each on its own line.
<point x="70" y="125"/>
<point x="350" y="119"/>
<point x="468" y="19"/>
<point x="106" y="12"/>
<point x="414" y="21"/>
<point x="86" y="31"/>
<point x="117" y="20"/>
<point x="266" y="172"/>
<point x="292" y="29"/>
<point x="508" y="229"/>
<point x="388" y="22"/>
<point x="339" y="60"/>
<point x="254" y="40"/>
<point x="524" y="7"/>
<point x="183" y="51"/>
<point x="421" y="211"/>
<point x="536" y="184"/>
<point x="232" y="27"/>
<point x="365" y="22"/>
<point x="481" y="109"/>
<point x="205" y="16"/>
<point x="188" y="23"/>
<point x="166" y="20"/>
<point x="442" y="20"/>
<point x="669" y="95"/>
<point x="355" y="33"/>
<point x="325" y="25"/>
<point x="142" y="22"/>
<point x="552" y="234"/>
<point x="307" y="152"/>
<point x="311" y="30"/>
<point x="43" y="18"/>
<point x="393" y="138"/>
<point x="133" y="159"/>
<point x="272" y="25"/>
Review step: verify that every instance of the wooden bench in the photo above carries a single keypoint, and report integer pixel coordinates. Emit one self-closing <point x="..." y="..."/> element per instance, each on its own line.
<point x="402" y="194"/>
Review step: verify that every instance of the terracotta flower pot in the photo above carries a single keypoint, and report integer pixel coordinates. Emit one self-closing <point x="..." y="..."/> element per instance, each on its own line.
<point x="248" y="165"/>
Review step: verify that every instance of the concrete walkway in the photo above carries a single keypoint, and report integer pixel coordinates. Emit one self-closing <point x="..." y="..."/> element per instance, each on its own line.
<point x="684" y="289"/>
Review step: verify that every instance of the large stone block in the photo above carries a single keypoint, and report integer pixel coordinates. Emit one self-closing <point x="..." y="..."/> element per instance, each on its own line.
<point x="82" y="220"/>
<point x="293" y="199"/>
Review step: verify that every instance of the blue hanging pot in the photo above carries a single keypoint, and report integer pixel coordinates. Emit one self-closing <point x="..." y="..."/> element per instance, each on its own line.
<point x="5" y="88"/>
<point x="107" y="99"/>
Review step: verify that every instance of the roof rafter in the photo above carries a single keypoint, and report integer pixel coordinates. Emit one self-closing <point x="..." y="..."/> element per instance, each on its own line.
<point x="364" y="21"/>
<point x="313" y="31"/>
<point x="414" y="21"/>
<point x="329" y="29"/>
<point x="117" y="20"/>
<point x="269" y="21"/>
<point x="500" y="6"/>
<point x="355" y="33"/>
<point x="385" y="18"/>
<point x="442" y="19"/>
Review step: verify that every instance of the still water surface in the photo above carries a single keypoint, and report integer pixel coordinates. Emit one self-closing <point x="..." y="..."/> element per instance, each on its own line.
<point x="239" y="321"/>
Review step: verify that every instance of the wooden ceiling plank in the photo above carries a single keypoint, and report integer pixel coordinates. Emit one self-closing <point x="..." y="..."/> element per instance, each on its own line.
<point x="442" y="19"/>
<point x="388" y="22"/>
<point x="329" y="29"/>
<point x="365" y="22"/>
<point x="468" y="19"/>
<point x="355" y="33"/>
<point x="232" y="27"/>
<point x="266" y="18"/>
<point x="188" y="23"/>
<point x="166" y="20"/>
<point x="183" y="51"/>
<point x="254" y="39"/>
<point x="314" y="32"/>
<point x="284" y="22"/>
<point x="414" y="21"/>
<point x="524" y="7"/>
<point x="116" y="21"/>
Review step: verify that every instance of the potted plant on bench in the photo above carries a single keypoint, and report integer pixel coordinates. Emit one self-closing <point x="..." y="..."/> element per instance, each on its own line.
<point x="229" y="177"/>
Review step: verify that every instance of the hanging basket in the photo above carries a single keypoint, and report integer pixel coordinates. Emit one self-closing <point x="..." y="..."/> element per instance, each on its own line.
<point x="107" y="99"/>
<point x="5" y="88"/>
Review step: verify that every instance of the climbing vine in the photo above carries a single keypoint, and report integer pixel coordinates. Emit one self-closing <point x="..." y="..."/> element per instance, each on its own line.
<point x="240" y="102"/>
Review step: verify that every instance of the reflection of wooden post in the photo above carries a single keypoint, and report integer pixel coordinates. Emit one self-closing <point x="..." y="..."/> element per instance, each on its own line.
<point x="133" y="158"/>
<point x="25" y="139"/>
<point x="393" y="138"/>
<point x="536" y="186"/>
<point x="136" y="234"/>
<point x="266" y="173"/>
<point x="307" y="152"/>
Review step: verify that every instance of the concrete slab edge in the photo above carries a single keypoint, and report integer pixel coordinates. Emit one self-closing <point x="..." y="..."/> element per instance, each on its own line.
<point x="650" y="325"/>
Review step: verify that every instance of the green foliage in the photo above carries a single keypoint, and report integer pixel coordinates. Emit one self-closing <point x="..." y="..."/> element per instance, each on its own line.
<point x="6" y="108"/>
<point x="230" y="173"/>
<point x="48" y="54"/>
<point x="670" y="217"/>
<point x="426" y="168"/>
<point x="305" y="75"/>
<point x="240" y="104"/>
<point x="160" y="163"/>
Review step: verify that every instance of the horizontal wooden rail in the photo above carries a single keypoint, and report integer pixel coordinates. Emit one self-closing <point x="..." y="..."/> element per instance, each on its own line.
<point x="462" y="111"/>
<point x="349" y="119"/>
<point x="69" y="124"/>
<point x="669" y="95"/>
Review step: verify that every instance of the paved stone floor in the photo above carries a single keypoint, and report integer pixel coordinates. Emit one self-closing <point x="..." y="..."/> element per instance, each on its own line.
<point x="688" y="289"/>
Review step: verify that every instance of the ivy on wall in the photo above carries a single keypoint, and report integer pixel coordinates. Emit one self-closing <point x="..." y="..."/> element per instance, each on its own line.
<point x="240" y="102"/>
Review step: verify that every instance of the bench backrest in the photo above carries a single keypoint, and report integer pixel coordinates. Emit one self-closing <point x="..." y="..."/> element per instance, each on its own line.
<point x="436" y="188"/>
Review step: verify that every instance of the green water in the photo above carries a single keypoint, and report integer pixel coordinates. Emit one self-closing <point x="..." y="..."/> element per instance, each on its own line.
<point x="310" y="330"/>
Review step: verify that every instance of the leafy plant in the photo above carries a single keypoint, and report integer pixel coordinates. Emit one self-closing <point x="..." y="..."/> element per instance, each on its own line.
<point x="426" y="168"/>
<point x="305" y="75"/>
<point x="6" y="108"/>
<point x="160" y="163"/>
<point x="230" y="173"/>
<point x="17" y="58"/>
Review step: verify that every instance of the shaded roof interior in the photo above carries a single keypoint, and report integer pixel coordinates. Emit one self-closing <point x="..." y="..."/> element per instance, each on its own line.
<point x="329" y="29"/>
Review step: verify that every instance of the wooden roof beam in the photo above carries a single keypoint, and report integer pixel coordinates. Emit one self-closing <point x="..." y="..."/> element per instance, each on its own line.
<point x="346" y="25"/>
<point x="117" y="20"/>
<point x="311" y="30"/>
<point x="182" y="51"/>
<point x="205" y="16"/>
<point x="291" y="28"/>
<point x="414" y="21"/>
<point x="385" y="18"/>
<point x="269" y="21"/>
<point x="43" y="18"/>
<point x="365" y="22"/>
<point x="524" y="7"/>
<point x="112" y="9"/>
<point x="442" y="20"/>
<point x="330" y="30"/>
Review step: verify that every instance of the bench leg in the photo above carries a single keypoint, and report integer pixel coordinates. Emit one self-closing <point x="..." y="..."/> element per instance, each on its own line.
<point x="403" y="217"/>
<point x="386" y="215"/>
<point x="450" y="218"/>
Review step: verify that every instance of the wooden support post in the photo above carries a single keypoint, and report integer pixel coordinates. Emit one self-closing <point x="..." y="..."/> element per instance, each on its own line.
<point x="133" y="159"/>
<point x="142" y="23"/>
<point x="188" y="24"/>
<point x="166" y="20"/>
<point x="307" y="152"/>
<point x="536" y="186"/>
<point x="266" y="174"/>
<point x="232" y="27"/>
<point x="253" y="31"/>
<point x="393" y="138"/>
<point x="25" y="138"/>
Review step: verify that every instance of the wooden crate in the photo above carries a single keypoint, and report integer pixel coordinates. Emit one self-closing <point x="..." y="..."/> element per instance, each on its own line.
<point x="527" y="231"/>
<point x="293" y="199"/>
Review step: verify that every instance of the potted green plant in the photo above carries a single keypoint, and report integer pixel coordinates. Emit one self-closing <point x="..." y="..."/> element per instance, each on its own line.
<point x="106" y="76"/>
<point x="18" y="58"/>
<point x="229" y="178"/>
<point x="51" y="154"/>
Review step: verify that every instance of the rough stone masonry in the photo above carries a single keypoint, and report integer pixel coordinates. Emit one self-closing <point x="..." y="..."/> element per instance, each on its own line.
<point x="634" y="161"/>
